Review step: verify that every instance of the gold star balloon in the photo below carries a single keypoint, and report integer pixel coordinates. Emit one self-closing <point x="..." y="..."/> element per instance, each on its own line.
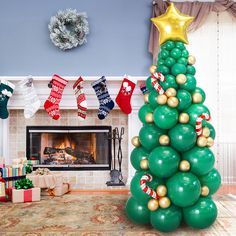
<point x="172" y="25"/>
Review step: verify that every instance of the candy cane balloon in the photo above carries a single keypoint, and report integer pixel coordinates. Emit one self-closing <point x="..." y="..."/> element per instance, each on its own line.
<point x="158" y="76"/>
<point x="149" y="191"/>
<point x="198" y="127"/>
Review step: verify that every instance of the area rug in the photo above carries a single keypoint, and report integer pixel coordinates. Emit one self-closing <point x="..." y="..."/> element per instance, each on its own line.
<point x="95" y="214"/>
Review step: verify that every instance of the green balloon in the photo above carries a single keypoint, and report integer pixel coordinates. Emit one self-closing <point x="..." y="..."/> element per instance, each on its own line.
<point x="196" y="110"/>
<point x="165" y="117"/>
<point x="137" y="212"/>
<point x="183" y="189"/>
<point x="149" y="136"/>
<point x="169" y="45"/>
<point x="149" y="84"/>
<point x="160" y="62"/>
<point x="143" y="111"/>
<point x="202" y="214"/>
<point x="182" y="137"/>
<point x="199" y="90"/>
<point x="201" y="160"/>
<point x="169" y="61"/>
<point x="175" y="53"/>
<point x="190" y="84"/>
<point x="136" y="190"/>
<point x="185" y="99"/>
<point x="138" y="154"/>
<point x="163" y="161"/>
<point x="152" y="99"/>
<point x="170" y="82"/>
<point x="178" y="68"/>
<point x="163" y="69"/>
<point x="180" y="45"/>
<point x="166" y="220"/>
<point x="191" y="70"/>
<point x="164" y="54"/>
<point x="183" y="60"/>
<point x="185" y="53"/>
<point x="212" y="180"/>
<point x="212" y="130"/>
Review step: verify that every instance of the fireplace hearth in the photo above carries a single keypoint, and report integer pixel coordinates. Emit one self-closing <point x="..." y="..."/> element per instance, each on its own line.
<point x="69" y="147"/>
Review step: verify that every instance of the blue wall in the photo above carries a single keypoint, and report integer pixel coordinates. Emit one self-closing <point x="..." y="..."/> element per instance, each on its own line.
<point x="117" y="43"/>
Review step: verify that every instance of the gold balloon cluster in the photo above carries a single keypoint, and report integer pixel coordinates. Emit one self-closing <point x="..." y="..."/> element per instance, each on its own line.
<point x="169" y="97"/>
<point x="205" y="140"/>
<point x="162" y="202"/>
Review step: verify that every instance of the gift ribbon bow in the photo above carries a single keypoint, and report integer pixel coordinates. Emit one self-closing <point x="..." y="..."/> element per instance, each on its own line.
<point x="24" y="184"/>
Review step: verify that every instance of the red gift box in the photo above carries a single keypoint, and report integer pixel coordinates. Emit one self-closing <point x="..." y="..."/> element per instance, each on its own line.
<point x="26" y="195"/>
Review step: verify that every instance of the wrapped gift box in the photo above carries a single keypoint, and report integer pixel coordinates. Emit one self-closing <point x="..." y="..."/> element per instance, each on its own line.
<point x="57" y="191"/>
<point x="26" y="195"/>
<point x="33" y="162"/>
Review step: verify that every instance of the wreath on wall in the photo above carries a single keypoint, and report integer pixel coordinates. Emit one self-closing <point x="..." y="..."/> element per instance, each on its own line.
<point x="68" y="29"/>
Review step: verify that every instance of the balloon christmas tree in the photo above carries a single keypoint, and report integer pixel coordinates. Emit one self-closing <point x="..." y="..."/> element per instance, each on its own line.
<point x="175" y="175"/>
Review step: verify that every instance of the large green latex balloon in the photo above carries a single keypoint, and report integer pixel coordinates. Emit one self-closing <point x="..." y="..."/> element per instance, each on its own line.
<point x="169" y="61"/>
<point x="152" y="99"/>
<point x="196" y="110"/>
<point x="170" y="82"/>
<point x="149" y="136"/>
<point x="138" y="154"/>
<point x="190" y="84"/>
<point x="182" y="137"/>
<point x="199" y="90"/>
<point x="175" y="53"/>
<point x="136" y="190"/>
<point x="201" y="160"/>
<point x="202" y="214"/>
<point x="178" y="68"/>
<point x="143" y="111"/>
<point x="163" y="69"/>
<point x="160" y="62"/>
<point x="165" y="117"/>
<point x="212" y="129"/>
<point x="212" y="180"/>
<point x="149" y="84"/>
<point x="137" y="212"/>
<point x="183" y="189"/>
<point x="163" y="161"/>
<point x="191" y="70"/>
<point x="185" y="99"/>
<point x="166" y="220"/>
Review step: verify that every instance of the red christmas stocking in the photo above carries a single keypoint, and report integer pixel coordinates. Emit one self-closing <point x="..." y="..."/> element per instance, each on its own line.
<point x="124" y="95"/>
<point x="52" y="103"/>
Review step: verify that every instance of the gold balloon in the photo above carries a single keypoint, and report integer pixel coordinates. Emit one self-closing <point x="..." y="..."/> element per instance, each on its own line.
<point x="161" y="190"/>
<point x="205" y="191"/>
<point x="161" y="99"/>
<point x="149" y="118"/>
<point x="202" y="141"/>
<point x="183" y="118"/>
<point x="164" y="202"/>
<point x="184" y="165"/>
<point x="191" y="60"/>
<point x="144" y="164"/>
<point x="210" y="141"/>
<point x="181" y="79"/>
<point x="153" y="205"/>
<point x="197" y="98"/>
<point x="146" y="97"/>
<point x="170" y="92"/>
<point x="152" y="69"/>
<point x="135" y="141"/>
<point x="172" y="25"/>
<point x="173" y="102"/>
<point x="206" y="132"/>
<point x="164" y="140"/>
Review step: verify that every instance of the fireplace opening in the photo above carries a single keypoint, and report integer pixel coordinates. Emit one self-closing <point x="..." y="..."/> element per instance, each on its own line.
<point x="69" y="148"/>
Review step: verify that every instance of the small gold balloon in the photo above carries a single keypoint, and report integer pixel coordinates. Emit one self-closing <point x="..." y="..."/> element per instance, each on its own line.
<point x="197" y="98"/>
<point x="191" y="60"/>
<point x="173" y="102"/>
<point x="170" y="92"/>
<point x="149" y="118"/>
<point x="153" y="205"/>
<point x="144" y="164"/>
<point x="152" y="69"/>
<point x="210" y="141"/>
<point x="184" y="165"/>
<point x="161" y="190"/>
<point x="181" y="79"/>
<point x="164" y="202"/>
<point x="183" y="118"/>
<point x="202" y="141"/>
<point x="146" y="97"/>
<point x="161" y="99"/>
<point x="164" y="140"/>
<point x="205" y="191"/>
<point x="135" y="141"/>
<point x="206" y="132"/>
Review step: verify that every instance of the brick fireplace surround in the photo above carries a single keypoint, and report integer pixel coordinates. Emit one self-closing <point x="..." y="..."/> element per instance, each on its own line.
<point x="14" y="128"/>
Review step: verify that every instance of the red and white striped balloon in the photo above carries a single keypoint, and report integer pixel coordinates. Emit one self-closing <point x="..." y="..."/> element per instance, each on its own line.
<point x="198" y="127"/>
<point x="149" y="191"/>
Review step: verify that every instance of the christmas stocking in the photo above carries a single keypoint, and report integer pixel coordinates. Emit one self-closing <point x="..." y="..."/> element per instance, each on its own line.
<point x="6" y="90"/>
<point x="80" y="97"/>
<point x="124" y="95"/>
<point x="32" y="102"/>
<point x="143" y="88"/>
<point x="52" y="103"/>
<point x="106" y="104"/>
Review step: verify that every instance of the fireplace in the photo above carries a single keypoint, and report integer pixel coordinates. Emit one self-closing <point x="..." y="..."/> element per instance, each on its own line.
<point x="69" y="148"/>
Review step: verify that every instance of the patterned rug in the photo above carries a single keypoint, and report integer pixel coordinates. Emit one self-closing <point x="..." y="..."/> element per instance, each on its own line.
<point x="95" y="214"/>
